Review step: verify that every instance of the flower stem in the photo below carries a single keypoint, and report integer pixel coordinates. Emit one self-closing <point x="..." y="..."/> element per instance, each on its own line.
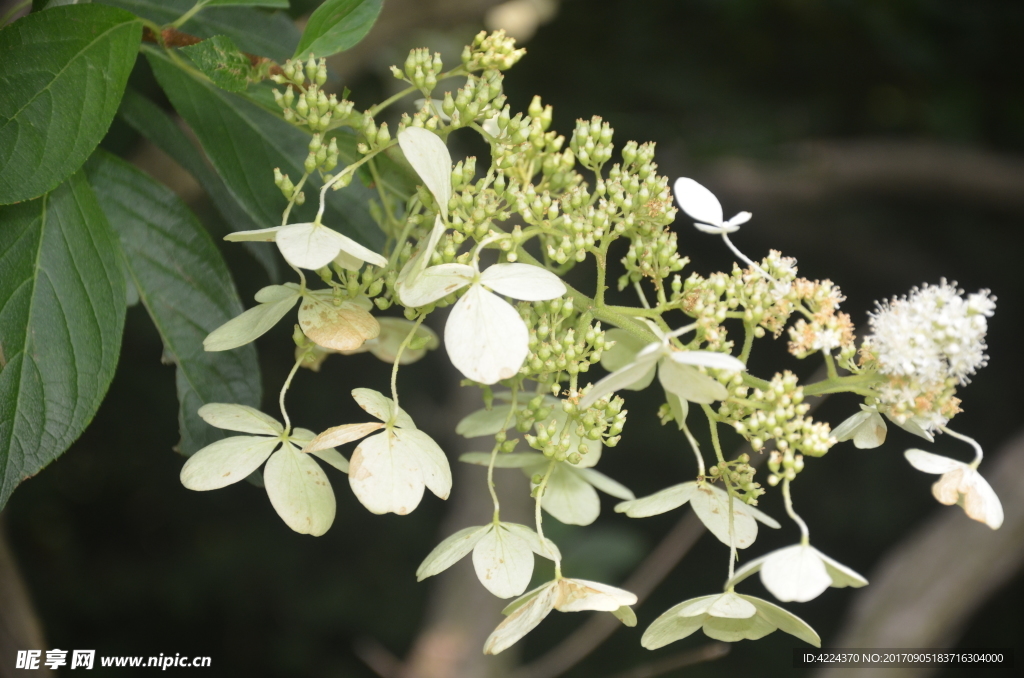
<point x="284" y="390"/>
<point x="183" y="19"/>
<point x="805" y="536"/>
<point x="398" y="360"/>
<point x="538" y="519"/>
<point x="494" y="453"/>
<point x="979" y="454"/>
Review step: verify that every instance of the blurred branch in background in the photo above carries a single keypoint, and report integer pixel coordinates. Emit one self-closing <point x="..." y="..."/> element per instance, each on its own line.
<point x="19" y="626"/>
<point x="925" y="590"/>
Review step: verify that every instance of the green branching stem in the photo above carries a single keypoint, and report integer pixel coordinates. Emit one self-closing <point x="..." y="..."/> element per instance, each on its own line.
<point x="343" y="173"/>
<point x="183" y="19"/>
<point x="724" y="475"/>
<point x="295" y="195"/>
<point x="830" y="365"/>
<point x="748" y="342"/>
<point x="411" y="89"/>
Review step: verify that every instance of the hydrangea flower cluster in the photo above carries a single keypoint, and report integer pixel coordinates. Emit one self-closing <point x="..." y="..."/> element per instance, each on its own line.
<point x="492" y="244"/>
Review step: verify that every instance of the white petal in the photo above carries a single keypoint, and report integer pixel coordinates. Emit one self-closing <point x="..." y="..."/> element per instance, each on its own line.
<point x="659" y="502"/>
<point x="784" y="621"/>
<point x="385" y="475"/>
<point x="357" y="251"/>
<point x="577" y="595"/>
<point x="341" y="327"/>
<point x="419" y="261"/>
<point x="698" y="202"/>
<point x="606" y="484"/>
<point x="523" y="620"/>
<point x="795" y="574"/>
<point x="980" y="501"/>
<point x="545" y="548"/>
<point x="712" y="507"/>
<point x="485" y="422"/>
<point x="259" y="235"/>
<point x="503" y="562"/>
<point x="340" y="435"/>
<point x="748" y="569"/>
<point x="670" y="626"/>
<point x="248" y="326"/>
<point x="931" y="463"/>
<point x="570" y="498"/>
<point x="715" y="230"/>
<point x="435" y="283"/>
<point x="226" y="461"/>
<point x="332" y="457"/>
<point x="348" y="262"/>
<point x="430" y="158"/>
<point x="299" y="491"/>
<point x="739" y="219"/>
<point x="915" y="426"/>
<point x="759" y="515"/>
<point x="523" y="281"/>
<point x="731" y="606"/>
<point x="731" y="630"/>
<point x="639" y="371"/>
<point x="309" y="246"/>
<point x="689" y="384"/>
<point x="486" y="339"/>
<point x="866" y="428"/>
<point x="378" y="405"/>
<point x="627" y="346"/>
<point x="712" y="359"/>
<point x="240" y="418"/>
<point x="450" y="551"/>
<point x="516" y="460"/>
<point x="841" y="575"/>
<point x="437" y="474"/>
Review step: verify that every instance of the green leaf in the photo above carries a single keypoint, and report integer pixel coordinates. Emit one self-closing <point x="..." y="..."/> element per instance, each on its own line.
<point x="245" y="143"/>
<point x="153" y="123"/>
<point x="64" y="71"/>
<point x="220" y="60"/>
<point x="269" y="34"/>
<point x="337" y="25"/>
<point x="276" y="4"/>
<point x="186" y="288"/>
<point x="62" y="306"/>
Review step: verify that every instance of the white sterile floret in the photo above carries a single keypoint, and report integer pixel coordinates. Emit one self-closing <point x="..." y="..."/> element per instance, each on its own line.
<point x="313" y="246"/>
<point x="866" y="428"/>
<point x="728" y="617"/>
<point x="932" y="334"/>
<point x="389" y="471"/>
<point x="702" y="205"/>
<point x="711" y="504"/>
<point x="485" y="336"/>
<point x="677" y="370"/>
<point x="960" y="484"/>
<point x="798" y="573"/>
<point x="393" y="332"/>
<point x="430" y="158"/>
<point x="564" y="595"/>
<point x="502" y="556"/>
<point x="298" y="488"/>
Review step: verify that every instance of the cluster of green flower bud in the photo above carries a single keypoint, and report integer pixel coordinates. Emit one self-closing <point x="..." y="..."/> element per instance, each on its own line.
<point x="366" y="282"/>
<point x="491" y="51"/>
<point x="321" y="157"/>
<point x="592" y="143"/>
<point x="568" y="435"/>
<point x="561" y="341"/>
<point x="654" y="256"/>
<point x="288" y="189"/>
<point x="475" y="207"/>
<point x="776" y="413"/>
<point x="304" y="102"/>
<point x="420" y="70"/>
<point x="525" y="146"/>
<point x="296" y="72"/>
<point x="784" y="465"/>
<point x="481" y="98"/>
<point x="372" y="138"/>
<point x="738" y="475"/>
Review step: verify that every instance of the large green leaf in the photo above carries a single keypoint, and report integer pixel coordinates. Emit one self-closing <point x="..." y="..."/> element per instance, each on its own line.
<point x="153" y="123"/>
<point x="269" y="34"/>
<point x="245" y="143"/>
<point x="337" y="25"/>
<point x="184" y="284"/>
<point x="276" y="4"/>
<point x="64" y="71"/>
<point x="62" y="305"/>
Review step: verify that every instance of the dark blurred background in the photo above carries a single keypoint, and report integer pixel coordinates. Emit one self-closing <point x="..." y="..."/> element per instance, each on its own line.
<point x="881" y="142"/>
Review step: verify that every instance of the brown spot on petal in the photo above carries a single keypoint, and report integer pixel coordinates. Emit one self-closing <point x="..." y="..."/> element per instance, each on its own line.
<point x="343" y="327"/>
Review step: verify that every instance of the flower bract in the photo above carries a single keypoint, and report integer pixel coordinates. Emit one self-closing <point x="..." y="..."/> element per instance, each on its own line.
<point x="960" y="484"/>
<point x="798" y="573"/>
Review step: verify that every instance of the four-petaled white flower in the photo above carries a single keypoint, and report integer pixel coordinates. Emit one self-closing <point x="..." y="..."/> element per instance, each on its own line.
<point x="702" y="205"/>
<point x="502" y="556"/>
<point x="677" y="370"/>
<point x="313" y="246"/>
<point x="564" y="595"/>
<point x="960" y="484"/>
<point x="711" y="504"/>
<point x="298" y="488"/>
<point x="866" y="428"/>
<point x="798" y="573"/>
<point x="389" y="471"/>
<point x="727" y="617"/>
<point x="485" y="336"/>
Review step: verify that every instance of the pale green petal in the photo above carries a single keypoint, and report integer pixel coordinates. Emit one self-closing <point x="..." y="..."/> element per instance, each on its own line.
<point x="627" y="346"/>
<point x="795" y="574"/>
<point x="660" y="502"/>
<point x="525" y="598"/>
<point x="393" y="332"/>
<point x="503" y="562"/>
<point x="523" y="620"/>
<point x="514" y="460"/>
<point x="784" y="621"/>
<point x="357" y="251"/>
<point x="485" y="422"/>
<point x="434" y="283"/>
<point x="672" y="626"/>
<point x="310" y="246"/>
<point x="625" y="615"/>
<point x="712" y="507"/>
<point x="606" y="484"/>
<point x="299" y="491"/>
<point x="240" y="418"/>
<point x="342" y="327"/>
<point x="332" y="457"/>
<point x="732" y="606"/>
<point x="570" y="498"/>
<point x="695" y="607"/>
<point x="690" y="384"/>
<point x="759" y="515"/>
<point x="485" y="337"/>
<point x="437" y="474"/>
<point x="730" y="630"/>
<point x="430" y="158"/>
<point x="413" y="268"/>
<point x="248" y="326"/>
<point x="340" y="435"/>
<point x="273" y="293"/>
<point x="748" y="569"/>
<point x="382" y="407"/>
<point x="385" y="476"/>
<point x="638" y="372"/>
<point x="545" y="548"/>
<point x="259" y="235"/>
<point x="841" y="575"/>
<point x="577" y="595"/>
<point x="226" y="461"/>
<point x="867" y="429"/>
<point x="915" y="426"/>
<point x="523" y="281"/>
<point x="450" y="551"/>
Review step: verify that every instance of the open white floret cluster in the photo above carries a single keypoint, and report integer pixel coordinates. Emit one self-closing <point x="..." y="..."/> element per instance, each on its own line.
<point x="494" y="245"/>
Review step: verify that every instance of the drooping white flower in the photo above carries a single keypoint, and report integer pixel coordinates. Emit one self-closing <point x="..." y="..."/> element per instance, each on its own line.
<point x="485" y="337"/>
<point x="677" y="370"/>
<point x="433" y="163"/>
<point x="338" y="325"/>
<point x="313" y="246"/>
<point x="298" y="488"/>
<point x="866" y="428"/>
<point x="564" y="595"/>
<point x="502" y="556"/>
<point x="728" y="617"/>
<point x="960" y="484"/>
<point x="710" y="503"/>
<point x="389" y="470"/>
<point x="798" y="573"/>
<point x="702" y="205"/>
